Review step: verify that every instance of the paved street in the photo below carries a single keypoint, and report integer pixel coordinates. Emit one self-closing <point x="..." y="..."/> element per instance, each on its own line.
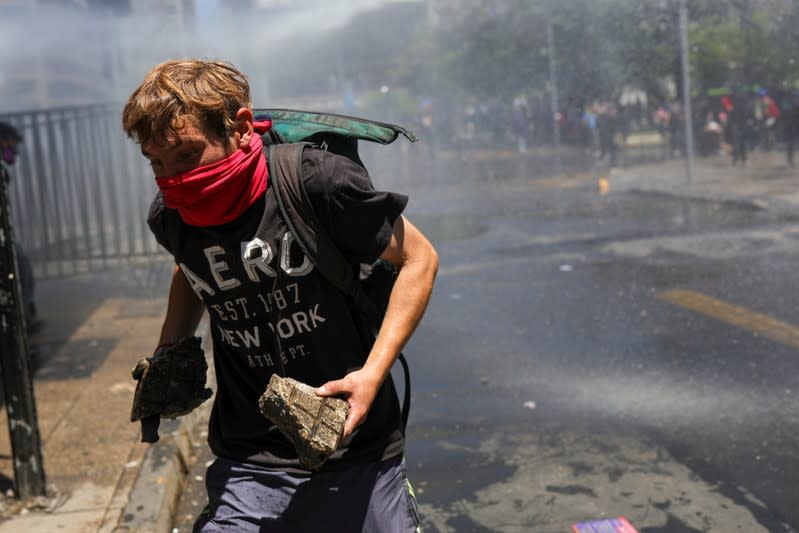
<point x="592" y="355"/>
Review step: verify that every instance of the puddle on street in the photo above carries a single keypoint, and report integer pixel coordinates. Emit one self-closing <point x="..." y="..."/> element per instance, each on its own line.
<point x="445" y="463"/>
<point x="481" y="476"/>
<point x="588" y="222"/>
<point x="449" y="227"/>
<point x="663" y="209"/>
<point x="633" y="214"/>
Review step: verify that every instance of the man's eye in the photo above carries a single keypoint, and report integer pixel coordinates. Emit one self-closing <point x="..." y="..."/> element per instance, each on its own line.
<point x="190" y="155"/>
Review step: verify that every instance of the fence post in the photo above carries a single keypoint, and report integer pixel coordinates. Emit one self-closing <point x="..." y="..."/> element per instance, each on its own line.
<point x="14" y="358"/>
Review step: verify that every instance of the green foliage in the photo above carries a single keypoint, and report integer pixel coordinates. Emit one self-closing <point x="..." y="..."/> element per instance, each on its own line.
<point x="716" y="53"/>
<point x="490" y="49"/>
<point x="396" y="105"/>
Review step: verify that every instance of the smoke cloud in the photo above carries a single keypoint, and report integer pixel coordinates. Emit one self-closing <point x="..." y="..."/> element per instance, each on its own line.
<point x="60" y="55"/>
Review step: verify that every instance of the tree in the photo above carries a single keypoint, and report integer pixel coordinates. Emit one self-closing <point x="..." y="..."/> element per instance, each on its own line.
<point x="484" y="49"/>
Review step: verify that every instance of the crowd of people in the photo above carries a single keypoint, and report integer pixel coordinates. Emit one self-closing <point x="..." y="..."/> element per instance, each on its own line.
<point x="732" y="123"/>
<point x="737" y="123"/>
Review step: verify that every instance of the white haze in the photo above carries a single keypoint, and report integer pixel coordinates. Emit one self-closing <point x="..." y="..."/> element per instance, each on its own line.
<point x="92" y="57"/>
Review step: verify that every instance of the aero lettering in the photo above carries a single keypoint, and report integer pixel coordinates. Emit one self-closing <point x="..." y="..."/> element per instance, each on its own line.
<point x="256" y="257"/>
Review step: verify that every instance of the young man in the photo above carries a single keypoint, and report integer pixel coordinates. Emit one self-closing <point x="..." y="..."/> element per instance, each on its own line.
<point x="271" y="311"/>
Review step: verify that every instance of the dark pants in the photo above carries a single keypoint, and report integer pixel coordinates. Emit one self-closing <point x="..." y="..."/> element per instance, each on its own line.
<point x="247" y="498"/>
<point x="738" y="147"/>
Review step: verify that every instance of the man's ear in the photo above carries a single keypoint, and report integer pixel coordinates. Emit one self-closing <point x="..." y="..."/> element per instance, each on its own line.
<point x="244" y="128"/>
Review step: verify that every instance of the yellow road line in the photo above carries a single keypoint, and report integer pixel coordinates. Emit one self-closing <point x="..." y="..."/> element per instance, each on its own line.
<point x="737" y="316"/>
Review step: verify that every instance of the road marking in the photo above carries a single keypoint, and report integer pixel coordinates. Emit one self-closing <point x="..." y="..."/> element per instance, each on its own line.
<point x="737" y="316"/>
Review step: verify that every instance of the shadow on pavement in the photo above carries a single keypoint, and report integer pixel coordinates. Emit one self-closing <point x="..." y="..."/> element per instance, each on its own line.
<point x="64" y="304"/>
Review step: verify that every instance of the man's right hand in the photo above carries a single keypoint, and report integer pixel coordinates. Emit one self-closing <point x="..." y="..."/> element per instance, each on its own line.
<point x="171" y="383"/>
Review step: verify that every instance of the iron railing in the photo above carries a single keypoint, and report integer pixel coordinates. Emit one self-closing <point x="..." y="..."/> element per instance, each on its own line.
<point x="80" y="191"/>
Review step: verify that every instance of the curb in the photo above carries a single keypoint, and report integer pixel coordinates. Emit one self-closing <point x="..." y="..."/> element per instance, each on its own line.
<point x="753" y="204"/>
<point x="159" y="484"/>
<point x="629" y="179"/>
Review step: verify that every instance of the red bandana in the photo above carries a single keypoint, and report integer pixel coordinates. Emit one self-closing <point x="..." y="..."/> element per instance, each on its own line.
<point x="218" y="193"/>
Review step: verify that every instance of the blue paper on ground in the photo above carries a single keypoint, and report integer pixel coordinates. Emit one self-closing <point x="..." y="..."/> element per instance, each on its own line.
<point x="611" y="525"/>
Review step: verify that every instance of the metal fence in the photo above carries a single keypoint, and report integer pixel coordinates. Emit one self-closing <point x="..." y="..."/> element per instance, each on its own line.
<point x="79" y="191"/>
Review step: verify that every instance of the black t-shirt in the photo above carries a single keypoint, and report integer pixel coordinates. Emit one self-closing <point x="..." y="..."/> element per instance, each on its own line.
<point x="272" y="311"/>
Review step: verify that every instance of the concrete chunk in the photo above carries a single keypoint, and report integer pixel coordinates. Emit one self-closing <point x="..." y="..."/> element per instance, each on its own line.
<point x="313" y="424"/>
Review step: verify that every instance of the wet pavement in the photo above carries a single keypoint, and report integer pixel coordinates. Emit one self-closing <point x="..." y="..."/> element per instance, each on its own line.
<point x="571" y="368"/>
<point x="555" y="383"/>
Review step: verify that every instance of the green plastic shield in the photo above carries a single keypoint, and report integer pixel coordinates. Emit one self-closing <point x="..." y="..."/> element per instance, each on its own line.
<point x="295" y="126"/>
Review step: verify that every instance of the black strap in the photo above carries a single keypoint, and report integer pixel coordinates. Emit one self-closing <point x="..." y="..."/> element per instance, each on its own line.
<point x="285" y="169"/>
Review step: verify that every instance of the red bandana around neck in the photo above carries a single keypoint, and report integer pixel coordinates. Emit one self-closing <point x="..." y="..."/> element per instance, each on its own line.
<point x="219" y="192"/>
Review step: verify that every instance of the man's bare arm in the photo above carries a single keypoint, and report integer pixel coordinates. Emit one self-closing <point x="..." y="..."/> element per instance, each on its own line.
<point x="410" y="250"/>
<point x="184" y="310"/>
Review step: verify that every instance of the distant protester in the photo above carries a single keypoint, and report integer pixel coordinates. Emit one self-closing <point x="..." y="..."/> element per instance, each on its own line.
<point x="10" y="139"/>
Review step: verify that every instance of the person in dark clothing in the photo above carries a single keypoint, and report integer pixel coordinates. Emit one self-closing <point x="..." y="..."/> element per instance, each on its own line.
<point x="10" y="139"/>
<point x="739" y="122"/>
<point x="272" y="312"/>
<point x="609" y="127"/>
<point x="790" y="126"/>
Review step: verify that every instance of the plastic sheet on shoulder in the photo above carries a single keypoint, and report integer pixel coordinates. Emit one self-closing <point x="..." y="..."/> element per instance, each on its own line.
<point x="296" y="125"/>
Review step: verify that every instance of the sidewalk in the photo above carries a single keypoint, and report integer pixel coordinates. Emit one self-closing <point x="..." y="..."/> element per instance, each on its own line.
<point x="103" y="479"/>
<point x="766" y="182"/>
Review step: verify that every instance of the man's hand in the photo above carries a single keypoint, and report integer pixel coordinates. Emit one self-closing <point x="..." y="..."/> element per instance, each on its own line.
<point x="171" y="383"/>
<point x="409" y="250"/>
<point x="359" y="388"/>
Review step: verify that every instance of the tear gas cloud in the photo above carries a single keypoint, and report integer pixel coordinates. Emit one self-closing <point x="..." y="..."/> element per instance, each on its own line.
<point x="56" y="55"/>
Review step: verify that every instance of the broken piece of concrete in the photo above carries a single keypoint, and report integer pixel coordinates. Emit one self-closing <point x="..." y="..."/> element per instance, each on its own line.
<point x="312" y="423"/>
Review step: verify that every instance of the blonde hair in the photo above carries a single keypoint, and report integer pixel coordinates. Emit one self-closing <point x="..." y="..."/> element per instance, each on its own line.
<point x="210" y="92"/>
